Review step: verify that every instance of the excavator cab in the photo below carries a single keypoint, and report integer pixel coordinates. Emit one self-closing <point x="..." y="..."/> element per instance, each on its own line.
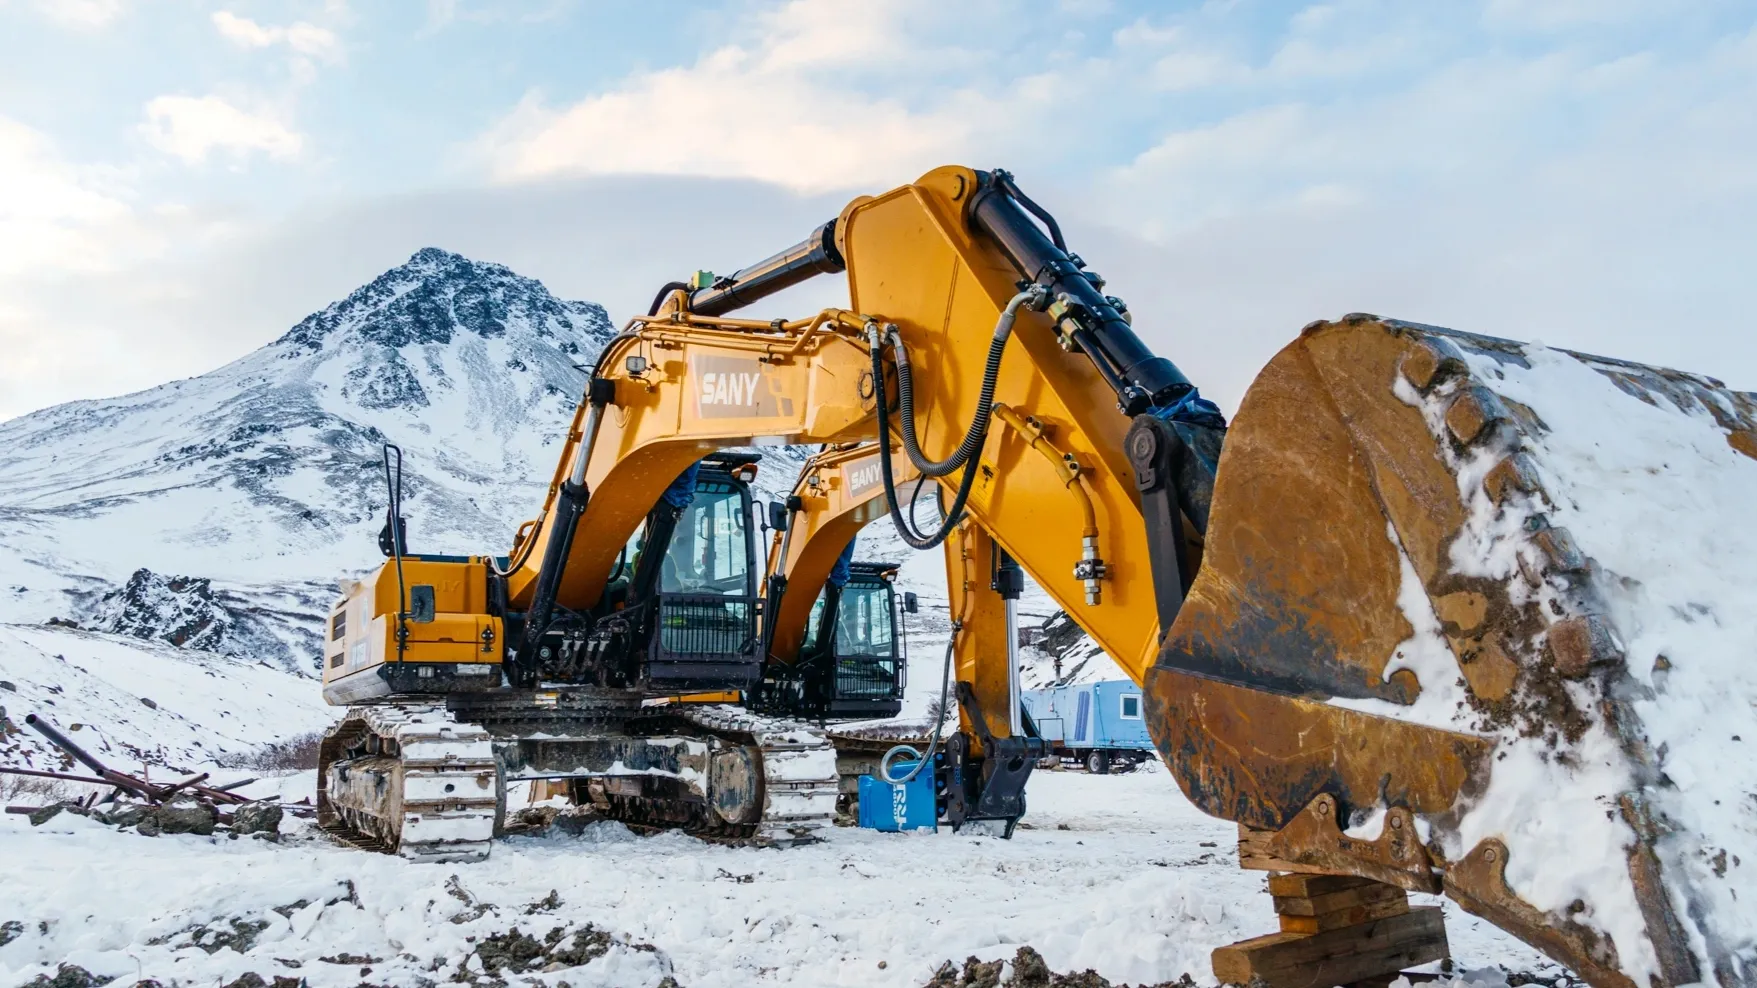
<point x="853" y="663"/>
<point x="687" y="582"/>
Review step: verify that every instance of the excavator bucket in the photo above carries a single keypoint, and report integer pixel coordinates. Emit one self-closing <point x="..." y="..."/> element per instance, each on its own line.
<point x="1480" y="617"/>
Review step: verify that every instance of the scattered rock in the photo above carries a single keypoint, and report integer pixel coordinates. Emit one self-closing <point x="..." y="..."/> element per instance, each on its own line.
<point x="44" y="814"/>
<point x="548" y="903"/>
<point x="237" y="934"/>
<point x="148" y="825"/>
<point x="976" y="974"/>
<point x="349" y="959"/>
<point x="148" y="703"/>
<point x="1028" y="971"/>
<point x="185" y="817"/>
<point x="68" y="976"/>
<point x="516" y="952"/>
<point x="473" y="910"/>
<point x="10" y="930"/>
<point x="123" y="815"/>
<point x="260" y="817"/>
<point x="250" y="979"/>
<point x="7" y="686"/>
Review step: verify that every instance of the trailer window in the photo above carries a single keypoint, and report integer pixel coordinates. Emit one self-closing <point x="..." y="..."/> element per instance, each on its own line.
<point x="1131" y="706"/>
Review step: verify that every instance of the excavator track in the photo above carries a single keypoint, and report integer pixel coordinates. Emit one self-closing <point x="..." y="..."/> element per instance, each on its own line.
<point x="408" y="779"/>
<point x="799" y="779"/>
<point x="414" y="780"/>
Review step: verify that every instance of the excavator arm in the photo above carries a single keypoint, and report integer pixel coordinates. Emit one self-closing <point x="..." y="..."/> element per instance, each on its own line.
<point x="1364" y="631"/>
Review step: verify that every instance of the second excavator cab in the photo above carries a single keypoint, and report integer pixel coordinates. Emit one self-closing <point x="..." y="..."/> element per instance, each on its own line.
<point x="853" y="665"/>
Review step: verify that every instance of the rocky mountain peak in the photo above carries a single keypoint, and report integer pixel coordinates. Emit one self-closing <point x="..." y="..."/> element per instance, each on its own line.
<point x="435" y="296"/>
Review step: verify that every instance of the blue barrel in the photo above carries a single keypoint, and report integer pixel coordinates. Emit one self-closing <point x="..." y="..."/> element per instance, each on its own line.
<point x="896" y="806"/>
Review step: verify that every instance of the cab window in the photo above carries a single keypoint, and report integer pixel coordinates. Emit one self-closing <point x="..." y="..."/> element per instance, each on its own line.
<point x="708" y="552"/>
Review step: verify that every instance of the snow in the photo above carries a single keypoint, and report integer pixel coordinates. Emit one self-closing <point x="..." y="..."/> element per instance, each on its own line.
<point x="1139" y="886"/>
<point x="1661" y="502"/>
<point x="1655" y="495"/>
<point x="97" y="689"/>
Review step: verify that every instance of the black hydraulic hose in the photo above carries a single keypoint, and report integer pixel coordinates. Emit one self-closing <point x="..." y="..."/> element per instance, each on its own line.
<point x="659" y="299"/>
<point x="905" y="529"/>
<point x="394" y="488"/>
<point x="1055" y="229"/>
<point x="1034" y="297"/>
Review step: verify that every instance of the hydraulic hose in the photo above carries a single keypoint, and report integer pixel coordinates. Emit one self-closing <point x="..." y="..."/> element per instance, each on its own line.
<point x="974" y="437"/>
<point x="905" y="527"/>
<point x="394" y="523"/>
<point x="1035" y="297"/>
<point x="933" y="741"/>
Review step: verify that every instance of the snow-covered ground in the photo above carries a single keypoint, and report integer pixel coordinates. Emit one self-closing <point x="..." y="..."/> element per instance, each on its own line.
<point x="125" y="700"/>
<point x="1116" y="873"/>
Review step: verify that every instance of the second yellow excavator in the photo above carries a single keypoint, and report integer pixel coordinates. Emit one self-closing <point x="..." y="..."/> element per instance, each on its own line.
<point x="1388" y="620"/>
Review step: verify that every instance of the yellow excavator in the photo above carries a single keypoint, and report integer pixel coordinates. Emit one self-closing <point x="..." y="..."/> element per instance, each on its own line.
<point x="1362" y="634"/>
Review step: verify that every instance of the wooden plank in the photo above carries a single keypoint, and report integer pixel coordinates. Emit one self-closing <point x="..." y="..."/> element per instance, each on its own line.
<point x="1350" y="916"/>
<point x="1318" y="905"/>
<point x="1336" y="957"/>
<point x="1314" y="884"/>
<point x="1253" y="853"/>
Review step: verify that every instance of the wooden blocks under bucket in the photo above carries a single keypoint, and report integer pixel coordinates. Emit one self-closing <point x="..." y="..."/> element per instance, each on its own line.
<point x="1335" y="930"/>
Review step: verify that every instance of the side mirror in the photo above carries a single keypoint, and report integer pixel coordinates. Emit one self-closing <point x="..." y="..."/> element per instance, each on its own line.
<point x="778" y="516"/>
<point x="911" y="603"/>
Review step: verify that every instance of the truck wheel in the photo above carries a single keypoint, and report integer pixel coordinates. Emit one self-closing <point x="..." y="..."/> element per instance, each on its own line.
<point x="1098" y="763"/>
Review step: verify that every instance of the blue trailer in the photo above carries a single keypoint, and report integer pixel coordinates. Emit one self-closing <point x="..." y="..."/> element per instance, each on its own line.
<point x="1097" y="724"/>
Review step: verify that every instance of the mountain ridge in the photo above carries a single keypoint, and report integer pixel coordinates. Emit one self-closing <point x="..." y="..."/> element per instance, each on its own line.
<point x="263" y="475"/>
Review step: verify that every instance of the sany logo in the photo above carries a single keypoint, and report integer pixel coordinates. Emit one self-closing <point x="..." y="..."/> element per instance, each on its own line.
<point x="729" y="388"/>
<point x="863" y="476"/>
<point x="737" y="387"/>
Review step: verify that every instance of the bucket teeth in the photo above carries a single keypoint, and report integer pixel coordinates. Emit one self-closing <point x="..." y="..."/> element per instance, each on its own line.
<point x="1517" y="474"/>
<point x="1476" y="415"/>
<point x="1432" y="362"/>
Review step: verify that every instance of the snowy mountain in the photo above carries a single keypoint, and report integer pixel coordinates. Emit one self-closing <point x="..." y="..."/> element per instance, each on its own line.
<point x="253" y="487"/>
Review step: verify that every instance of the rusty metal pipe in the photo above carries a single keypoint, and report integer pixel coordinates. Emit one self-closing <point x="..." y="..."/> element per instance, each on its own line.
<point x="64" y="777"/>
<point x="66" y="744"/>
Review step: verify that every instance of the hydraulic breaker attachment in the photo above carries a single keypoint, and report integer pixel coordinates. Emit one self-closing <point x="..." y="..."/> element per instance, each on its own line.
<point x="1477" y="617"/>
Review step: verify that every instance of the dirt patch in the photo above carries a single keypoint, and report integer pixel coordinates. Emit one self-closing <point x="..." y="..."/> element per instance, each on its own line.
<point x="516" y="952"/>
<point x="1027" y="970"/>
<point x="67" y="976"/>
<point x="237" y="934"/>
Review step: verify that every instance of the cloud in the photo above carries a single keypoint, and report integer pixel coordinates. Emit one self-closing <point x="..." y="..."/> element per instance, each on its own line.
<point x="184" y="312"/>
<point x="54" y="215"/>
<point x="81" y="14"/>
<point x="785" y="107"/>
<point x="302" y="37"/>
<point x="191" y="128"/>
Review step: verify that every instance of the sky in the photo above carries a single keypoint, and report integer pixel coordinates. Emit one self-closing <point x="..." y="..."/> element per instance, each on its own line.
<point x="181" y="181"/>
